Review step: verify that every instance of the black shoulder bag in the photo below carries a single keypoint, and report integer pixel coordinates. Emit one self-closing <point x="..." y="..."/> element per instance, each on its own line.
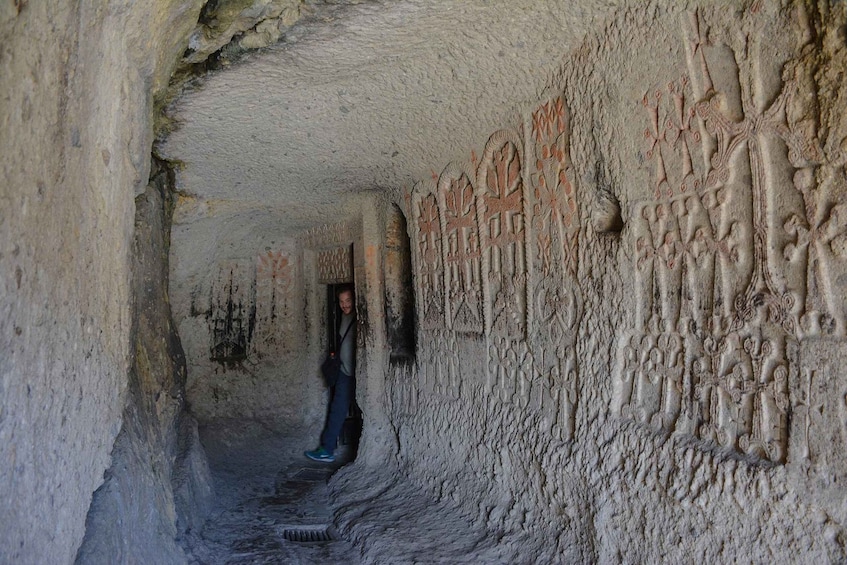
<point x="332" y="365"/>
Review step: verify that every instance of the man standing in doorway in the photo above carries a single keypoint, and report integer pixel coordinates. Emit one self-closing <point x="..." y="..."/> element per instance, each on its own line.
<point x="341" y="394"/>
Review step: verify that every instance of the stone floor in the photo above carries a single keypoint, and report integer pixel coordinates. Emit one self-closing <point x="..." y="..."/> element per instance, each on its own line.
<point x="264" y="486"/>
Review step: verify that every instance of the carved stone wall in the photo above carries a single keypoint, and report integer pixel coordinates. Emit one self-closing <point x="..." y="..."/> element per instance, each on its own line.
<point x="733" y="253"/>
<point x="242" y="329"/>
<point x="76" y="111"/>
<point x="462" y="250"/>
<point x="252" y="308"/>
<point x="327" y="235"/>
<point x="496" y="249"/>
<point x="335" y="265"/>
<point x="554" y="299"/>
<point x="684" y="371"/>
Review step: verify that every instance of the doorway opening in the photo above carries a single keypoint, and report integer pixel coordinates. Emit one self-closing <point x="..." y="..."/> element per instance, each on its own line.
<point x="351" y="430"/>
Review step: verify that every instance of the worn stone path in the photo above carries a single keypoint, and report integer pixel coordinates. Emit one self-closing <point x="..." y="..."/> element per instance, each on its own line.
<point x="264" y="485"/>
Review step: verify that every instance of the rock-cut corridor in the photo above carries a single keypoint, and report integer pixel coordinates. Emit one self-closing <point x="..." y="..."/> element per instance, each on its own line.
<point x="598" y="251"/>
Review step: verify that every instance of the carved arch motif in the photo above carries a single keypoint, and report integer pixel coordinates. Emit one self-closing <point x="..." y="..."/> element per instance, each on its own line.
<point x="502" y="220"/>
<point x="463" y="251"/>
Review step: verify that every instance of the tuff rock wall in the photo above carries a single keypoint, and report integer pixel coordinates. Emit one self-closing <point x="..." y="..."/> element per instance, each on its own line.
<point x="239" y="307"/>
<point x="76" y="102"/>
<point x="631" y="299"/>
<point x="158" y="486"/>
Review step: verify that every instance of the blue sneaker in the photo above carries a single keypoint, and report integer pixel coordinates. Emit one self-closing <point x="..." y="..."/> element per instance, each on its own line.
<point x="320" y="454"/>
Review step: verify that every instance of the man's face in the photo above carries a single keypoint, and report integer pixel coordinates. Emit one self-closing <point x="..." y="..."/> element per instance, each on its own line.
<point x="345" y="300"/>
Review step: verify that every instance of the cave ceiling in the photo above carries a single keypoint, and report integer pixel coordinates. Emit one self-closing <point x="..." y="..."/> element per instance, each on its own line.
<point x="361" y="96"/>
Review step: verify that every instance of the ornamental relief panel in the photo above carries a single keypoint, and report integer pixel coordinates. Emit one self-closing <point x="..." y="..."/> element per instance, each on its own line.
<point x="429" y="257"/>
<point x="506" y="256"/>
<point x="500" y="201"/>
<point x="329" y="235"/>
<point x="733" y="256"/>
<point x="335" y="265"/>
<point x="819" y="418"/>
<point x="554" y="308"/>
<point x="402" y="391"/>
<point x="462" y="250"/>
<point x="439" y="364"/>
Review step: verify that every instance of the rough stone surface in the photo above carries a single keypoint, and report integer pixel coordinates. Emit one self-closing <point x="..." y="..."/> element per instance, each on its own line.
<point x="75" y="103"/>
<point x="238" y="305"/>
<point x="620" y="262"/>
<point x="264" y="486"/>
<point x="628" y="257"/>
<point x="636" y="394"/>
<point x="258" y="23"/>
<point x="158" y="486"/>
<point x="364" y="95"/>
<point x="389" y="520"/>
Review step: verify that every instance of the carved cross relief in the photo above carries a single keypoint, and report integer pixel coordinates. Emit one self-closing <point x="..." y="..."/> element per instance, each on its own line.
<point x="463" y="256"/>
<point x="709" y="279"/>
<point x="500" y="194"/>
<point x="473" y="233"/>
<point x="555" y="302"/>
<point x="430" y="262"/>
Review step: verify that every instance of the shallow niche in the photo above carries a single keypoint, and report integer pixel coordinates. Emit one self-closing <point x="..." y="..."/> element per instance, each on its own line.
<point x="399" y="288"/>
<point x="606" y="213"/>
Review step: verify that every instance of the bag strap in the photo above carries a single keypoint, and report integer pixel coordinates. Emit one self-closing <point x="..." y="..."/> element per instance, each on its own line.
<point x="353" y="321"/>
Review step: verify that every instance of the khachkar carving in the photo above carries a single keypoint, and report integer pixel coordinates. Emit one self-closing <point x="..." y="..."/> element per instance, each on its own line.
<point x="335" y="265"/>
<point x="429" y="259"/>
<point x="403" y="390"/>
<point x="275" y="288"/>
<point x="554" y="308"/>
<point x="500" y="202"/>
<point x="439" y="369"/>
<point x="509" y="371"/>
<point x="719" y="303"/>
<point x="819" y="419"/>
<point x="818" y="235"/>
<point x="462" y="257"/>
<point x="438" y="353"/>
<point x="501" y="212"/>
<point x="328" y="234"/>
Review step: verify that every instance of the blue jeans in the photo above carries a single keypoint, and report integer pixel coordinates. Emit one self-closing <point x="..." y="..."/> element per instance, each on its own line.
<point x="339" y="405"/>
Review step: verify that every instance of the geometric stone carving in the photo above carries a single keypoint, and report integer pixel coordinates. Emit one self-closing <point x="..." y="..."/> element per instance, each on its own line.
<point x="439" y="367"/>
<point x="501" y="211"/>
<point x="716" y="307"/>
<point x="335" y="266"/>
<point x="462" y="254"/>
<point x="473" y="272"/>
<point x="429" y="256"/>
<point x="328" y="235"/>
<point x="554" y="308"/>
<point x="402" y="390"/>
<point x="438" y="361"/>
<point x="509" y="371"/>
<point x="819" y="423"/>
<point x="500" y="199"/>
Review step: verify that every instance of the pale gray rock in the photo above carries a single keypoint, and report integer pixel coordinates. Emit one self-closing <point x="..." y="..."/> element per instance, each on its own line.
<point x="627" y="252"/>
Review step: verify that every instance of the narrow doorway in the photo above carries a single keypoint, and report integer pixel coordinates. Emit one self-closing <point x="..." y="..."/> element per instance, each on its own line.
<point x="351" y="431"/>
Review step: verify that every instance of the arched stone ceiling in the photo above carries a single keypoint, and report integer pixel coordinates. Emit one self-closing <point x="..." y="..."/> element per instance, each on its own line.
<point x="363" y="96"/>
